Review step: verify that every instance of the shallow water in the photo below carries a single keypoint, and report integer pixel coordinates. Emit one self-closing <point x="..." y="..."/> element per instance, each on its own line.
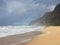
<point x="12" y="30"/>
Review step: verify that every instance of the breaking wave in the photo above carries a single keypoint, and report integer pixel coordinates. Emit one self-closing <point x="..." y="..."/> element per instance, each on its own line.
<point x="12" y="30"/>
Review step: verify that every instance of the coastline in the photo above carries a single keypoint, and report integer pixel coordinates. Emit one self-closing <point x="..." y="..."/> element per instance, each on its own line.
<point x="18" y="38"/>
<point x="51" y="38"/>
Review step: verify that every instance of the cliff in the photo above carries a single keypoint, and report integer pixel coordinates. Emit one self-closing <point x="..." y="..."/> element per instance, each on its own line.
<point x="49" y="18"/>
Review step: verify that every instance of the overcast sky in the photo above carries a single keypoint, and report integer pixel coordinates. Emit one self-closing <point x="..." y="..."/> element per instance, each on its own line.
<point x="22" y="12"/>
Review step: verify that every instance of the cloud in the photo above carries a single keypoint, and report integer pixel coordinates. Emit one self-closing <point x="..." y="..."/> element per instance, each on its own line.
<point x="21" y="11"/>
<point x="16" y="7"/>
<point x="19" y="7"/>
<point x="51" y="7"/>
<point x="48" y="2"/>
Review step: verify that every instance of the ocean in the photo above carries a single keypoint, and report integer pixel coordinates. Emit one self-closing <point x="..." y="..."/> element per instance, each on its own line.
<point x="13" y="30"/>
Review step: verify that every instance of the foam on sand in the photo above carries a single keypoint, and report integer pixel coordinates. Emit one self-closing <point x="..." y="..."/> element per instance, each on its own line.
<point x="50" y="38"/>
<point x="16" y="35"/>
<point x="12" y="30"/>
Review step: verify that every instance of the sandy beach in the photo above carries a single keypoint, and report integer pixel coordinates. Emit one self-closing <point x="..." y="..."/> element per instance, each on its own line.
<point x="18" y="38"/>
<point x="50" y="37"/>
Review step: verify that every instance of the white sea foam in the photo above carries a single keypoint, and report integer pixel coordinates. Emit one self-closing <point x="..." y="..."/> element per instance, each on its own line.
<point x="12" y="30"/>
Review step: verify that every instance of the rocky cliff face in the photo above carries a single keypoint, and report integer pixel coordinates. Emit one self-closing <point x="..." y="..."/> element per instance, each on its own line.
<point x="49" y="18"/>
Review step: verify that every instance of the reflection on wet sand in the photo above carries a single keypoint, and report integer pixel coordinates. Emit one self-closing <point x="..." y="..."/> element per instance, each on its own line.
<point x="51" y="38"/>
<point x="18" y="38"/>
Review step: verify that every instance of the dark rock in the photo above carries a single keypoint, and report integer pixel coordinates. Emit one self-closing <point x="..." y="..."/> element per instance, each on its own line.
<point x="49" y="18"/>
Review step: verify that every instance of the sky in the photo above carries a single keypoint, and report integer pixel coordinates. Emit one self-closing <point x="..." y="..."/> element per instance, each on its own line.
<point x="22" y="12"/>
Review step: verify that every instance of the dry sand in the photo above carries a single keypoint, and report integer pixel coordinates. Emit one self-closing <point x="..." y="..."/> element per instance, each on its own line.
<point x="50" y="37"/>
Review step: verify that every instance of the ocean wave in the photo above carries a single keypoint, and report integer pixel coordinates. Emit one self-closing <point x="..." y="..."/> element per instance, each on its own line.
<point x="12" y="30"/>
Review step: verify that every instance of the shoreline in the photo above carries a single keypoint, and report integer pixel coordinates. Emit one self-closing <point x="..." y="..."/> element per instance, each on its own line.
<point x="50" y="39"/>
<point x="18" y="38"/>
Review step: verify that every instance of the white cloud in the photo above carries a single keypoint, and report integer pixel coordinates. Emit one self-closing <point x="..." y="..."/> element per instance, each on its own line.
<point x="14" y="9"/>
<point x="17" y="7"/>
<point x="22" y="6"/>
<point x="51" y="7"/>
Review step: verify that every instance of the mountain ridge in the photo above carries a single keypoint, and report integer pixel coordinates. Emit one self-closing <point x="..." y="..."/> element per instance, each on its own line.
<point x="49" y="18"/>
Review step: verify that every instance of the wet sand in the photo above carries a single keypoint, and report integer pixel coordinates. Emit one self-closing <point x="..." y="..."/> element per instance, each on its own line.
<point x="18" y="38"/>
<point x="50" y="37"/>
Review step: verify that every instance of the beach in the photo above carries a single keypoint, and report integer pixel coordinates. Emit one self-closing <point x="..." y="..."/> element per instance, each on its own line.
<point x="48" y="36"/>
<point x="51" y="36"/>
<point x="18" y="38"/>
